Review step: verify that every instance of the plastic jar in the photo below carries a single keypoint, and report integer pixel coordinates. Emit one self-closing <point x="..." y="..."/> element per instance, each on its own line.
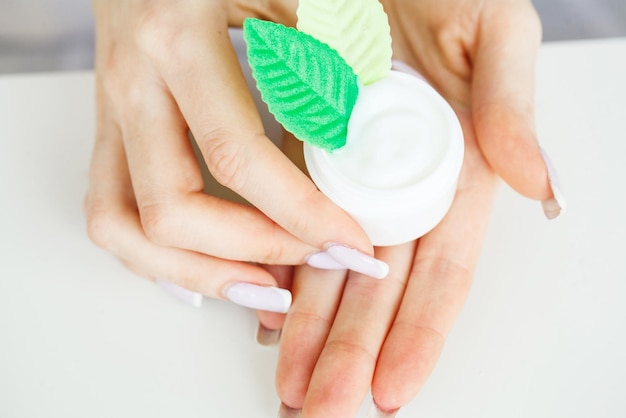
<point x="398" y="172"/>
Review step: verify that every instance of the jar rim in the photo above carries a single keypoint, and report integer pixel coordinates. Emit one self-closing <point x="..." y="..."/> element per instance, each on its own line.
<point x="355" y="197"/>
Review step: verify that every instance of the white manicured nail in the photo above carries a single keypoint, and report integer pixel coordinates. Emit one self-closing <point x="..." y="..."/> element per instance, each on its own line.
<point x="324" y="261"/>
<point x="555" y="205"/>
<point x="374" y="412"/>
<point x="264" y="298"/>
<point x="186" y="295"/>
<point x="357" y="261"/>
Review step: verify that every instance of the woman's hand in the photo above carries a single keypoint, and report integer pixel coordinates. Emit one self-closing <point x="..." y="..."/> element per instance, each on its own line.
<point x="347" y="333"/>
<point x="164" y="68"/>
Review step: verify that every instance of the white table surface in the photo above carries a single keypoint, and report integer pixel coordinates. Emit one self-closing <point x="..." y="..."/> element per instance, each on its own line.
<point x="543" y="333"/>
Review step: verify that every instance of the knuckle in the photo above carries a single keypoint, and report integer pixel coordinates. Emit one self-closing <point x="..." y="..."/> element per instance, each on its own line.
<point x="273" y="253"/>
<point x="305" y="320"/>
<point x="302" y="223"/>
<point x="445" y="268"/>
<point x="280" y="247"/>
<point x="349" y="349"/>
<point x="116" y="83"/>
<point x="154" y="30"/>
<point x="225" y="160"/>
<point x="101" y="224"/>
<point x="163" y="35"/>
<point x="156" y="220"/>
<point x="424" y="337"/>
<point x="110" y="74"/>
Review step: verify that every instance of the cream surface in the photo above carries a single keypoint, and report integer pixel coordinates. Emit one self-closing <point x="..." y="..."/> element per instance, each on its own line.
<point x="397" y="135"/>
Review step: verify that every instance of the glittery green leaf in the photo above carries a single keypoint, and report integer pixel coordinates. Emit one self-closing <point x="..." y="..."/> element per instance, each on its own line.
<point x="307" y="85"/>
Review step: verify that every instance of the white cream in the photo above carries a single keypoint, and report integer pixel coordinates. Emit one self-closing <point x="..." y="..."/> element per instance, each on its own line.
<point x="397" y="173"/>
<point x="394" y="138"/>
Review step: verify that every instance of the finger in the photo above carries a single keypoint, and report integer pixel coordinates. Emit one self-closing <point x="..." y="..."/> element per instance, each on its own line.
<point x="113" y="223"/>
<point x="436" y="290"/>
<point x="343" y="373"/>
<point x="316" y="297"/>
<point x="197" y="272"/>
<point x="202" y="71"/>
<point x="439" y="54"/>
<point x="503" y="97"/>
<point x="270" y="323"/>
<point x="174" y="210"/>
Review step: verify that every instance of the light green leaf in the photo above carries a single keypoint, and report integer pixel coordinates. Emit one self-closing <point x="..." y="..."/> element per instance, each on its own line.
<point x="358" y="30"/>
<point x="306" y="84"/>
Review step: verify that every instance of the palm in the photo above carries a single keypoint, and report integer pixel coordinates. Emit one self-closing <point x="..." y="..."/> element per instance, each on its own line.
<point x="346" y="334"/>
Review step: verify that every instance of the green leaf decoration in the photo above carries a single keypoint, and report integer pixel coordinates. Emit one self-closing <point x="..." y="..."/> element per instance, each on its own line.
<point x="307" y="85"/>
<point x="358" y="30"/>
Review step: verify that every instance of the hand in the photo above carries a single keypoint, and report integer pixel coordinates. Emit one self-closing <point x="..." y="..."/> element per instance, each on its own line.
<point x="164" y="68"/>
<point x="347" y="333"/>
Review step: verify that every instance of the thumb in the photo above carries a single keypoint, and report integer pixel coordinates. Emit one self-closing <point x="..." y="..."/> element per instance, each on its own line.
<point x="503" y="104"/>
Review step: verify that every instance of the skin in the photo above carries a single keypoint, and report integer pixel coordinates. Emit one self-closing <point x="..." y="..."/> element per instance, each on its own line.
<point x="164" y="67"/>
<point x="347" y="333"/>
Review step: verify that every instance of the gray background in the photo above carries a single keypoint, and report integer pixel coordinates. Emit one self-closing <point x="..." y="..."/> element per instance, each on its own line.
<point x="38" y="35"/>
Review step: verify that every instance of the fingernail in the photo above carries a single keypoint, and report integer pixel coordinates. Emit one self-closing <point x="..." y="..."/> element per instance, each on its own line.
<point x="267" y="337"/>
<point x="555" y="205"/>
<point x="324" y="261"/>
<point x="264" y="298"/>
<point x="374" y="412"/>
<point x="405" y="68"/>
<point x="287" y="412"/>
<point x="186" y="295"/>
<point x="357" y="261"/>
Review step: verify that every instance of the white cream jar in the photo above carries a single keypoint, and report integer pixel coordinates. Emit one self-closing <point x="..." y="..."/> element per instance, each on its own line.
<point x="398" y="172"/>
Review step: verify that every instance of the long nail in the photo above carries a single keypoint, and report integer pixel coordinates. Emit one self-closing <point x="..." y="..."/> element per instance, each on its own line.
<point x="555" y="205"/>
<point x="357" y="261"/>
<point x="186" y="295"/>
<point x="267" y="337"/>
<point x="264" y="298"/>
<point x="287" y="412"/>
<point x="324" y="261"/>
<point x="375" y="412"/>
